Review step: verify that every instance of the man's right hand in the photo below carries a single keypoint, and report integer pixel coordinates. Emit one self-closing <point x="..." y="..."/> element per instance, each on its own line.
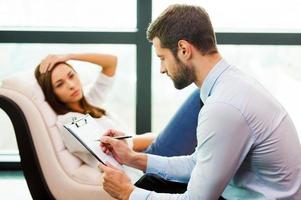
<point x="119" y="148"/>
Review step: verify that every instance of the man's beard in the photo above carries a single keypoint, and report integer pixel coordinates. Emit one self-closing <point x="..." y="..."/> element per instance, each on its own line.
<point x="184" y="76"/>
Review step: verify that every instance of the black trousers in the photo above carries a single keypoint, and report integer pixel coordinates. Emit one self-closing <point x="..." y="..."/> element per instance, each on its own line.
<point x="153" y="182"/>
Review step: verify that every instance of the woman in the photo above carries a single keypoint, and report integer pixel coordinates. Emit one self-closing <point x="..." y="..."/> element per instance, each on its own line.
<point x="63" y="91"/>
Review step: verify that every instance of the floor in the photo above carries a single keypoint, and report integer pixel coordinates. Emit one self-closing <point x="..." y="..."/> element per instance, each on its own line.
<point x="13" y="186"/>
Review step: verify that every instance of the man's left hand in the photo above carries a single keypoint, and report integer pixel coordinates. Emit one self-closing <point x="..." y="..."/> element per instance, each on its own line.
<point x="116" y="182"/>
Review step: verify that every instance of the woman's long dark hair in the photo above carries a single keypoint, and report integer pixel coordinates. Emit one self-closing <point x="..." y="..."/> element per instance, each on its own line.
<point x="58" y="106"/>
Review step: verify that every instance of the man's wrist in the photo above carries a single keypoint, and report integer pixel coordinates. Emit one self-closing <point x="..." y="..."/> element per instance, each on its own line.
<point x="131" y="159"/>
<point x="128" y="193"/>
<point x="138" y="160"/>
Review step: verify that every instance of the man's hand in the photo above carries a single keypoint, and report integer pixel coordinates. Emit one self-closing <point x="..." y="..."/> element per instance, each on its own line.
<point x="119" y="148"/>
<point x="111" y="133"/>
<point x="122" y="152"/>
<point x="116" y="182"/>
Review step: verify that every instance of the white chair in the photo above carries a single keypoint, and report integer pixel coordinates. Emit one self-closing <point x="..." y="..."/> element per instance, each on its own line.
<point x="51" y="172"/>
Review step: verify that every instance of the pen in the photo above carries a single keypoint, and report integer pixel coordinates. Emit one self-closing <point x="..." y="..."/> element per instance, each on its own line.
<point x="119" y="137"/>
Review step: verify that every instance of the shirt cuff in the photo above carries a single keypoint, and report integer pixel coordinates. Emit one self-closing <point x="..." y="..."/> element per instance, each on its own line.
<point x="156" y="165"/>
<point x="139" y="194"/>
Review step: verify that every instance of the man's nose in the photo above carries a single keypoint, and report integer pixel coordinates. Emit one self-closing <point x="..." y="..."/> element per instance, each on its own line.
<point x="162" y="69"/>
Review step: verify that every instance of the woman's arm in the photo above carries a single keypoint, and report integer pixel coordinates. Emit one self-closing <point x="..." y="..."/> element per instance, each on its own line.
<point x="141" y="142"/>
<point x="107" y="62"/>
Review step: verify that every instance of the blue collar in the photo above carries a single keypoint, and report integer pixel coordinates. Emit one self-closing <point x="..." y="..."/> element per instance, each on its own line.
<point x="211" y="78"/>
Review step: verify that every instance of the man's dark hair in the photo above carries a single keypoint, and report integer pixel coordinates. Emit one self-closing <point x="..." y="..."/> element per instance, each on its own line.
<point x="184" y="22"/>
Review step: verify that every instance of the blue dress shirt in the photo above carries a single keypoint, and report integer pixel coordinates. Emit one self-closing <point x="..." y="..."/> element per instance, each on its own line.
<point x="247" y="148"/>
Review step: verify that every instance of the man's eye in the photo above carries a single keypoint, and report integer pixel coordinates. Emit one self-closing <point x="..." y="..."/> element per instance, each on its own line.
<point x="71" y="76"/>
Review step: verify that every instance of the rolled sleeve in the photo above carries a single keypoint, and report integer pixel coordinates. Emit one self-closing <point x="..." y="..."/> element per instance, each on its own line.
<point x="156" y="165"/>
<point x="177" y="168"/>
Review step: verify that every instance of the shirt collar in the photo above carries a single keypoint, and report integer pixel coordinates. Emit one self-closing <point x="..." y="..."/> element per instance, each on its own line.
<point x="211" y="79"/>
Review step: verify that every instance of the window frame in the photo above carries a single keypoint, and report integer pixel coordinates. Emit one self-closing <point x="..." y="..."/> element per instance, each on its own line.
<point x="143" y="59"/>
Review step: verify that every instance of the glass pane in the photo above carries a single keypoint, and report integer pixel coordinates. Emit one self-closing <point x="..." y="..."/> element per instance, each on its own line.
<point x="246" y="16"/>
<point x="277" y="68"/>
<point x="15" y="180"/>
<point x="121" y="101"/>
<point x="68" y="15"/>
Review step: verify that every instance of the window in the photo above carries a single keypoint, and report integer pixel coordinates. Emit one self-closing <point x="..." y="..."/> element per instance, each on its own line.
<point x="246" y="16"/>
<point x="89" y="15"/>
<point x="129" y="19"/>
<point x="121" y="100"/>
<point x="276" y="67"/>
<point x="32" y="29"/>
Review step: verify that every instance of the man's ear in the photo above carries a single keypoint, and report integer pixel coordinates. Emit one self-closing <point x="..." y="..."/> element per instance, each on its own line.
<point x="184" y="50"/>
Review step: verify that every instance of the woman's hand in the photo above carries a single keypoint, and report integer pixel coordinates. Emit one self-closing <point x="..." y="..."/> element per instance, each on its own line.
<point x="107" y="62"/>
<point x="48" y="62"/>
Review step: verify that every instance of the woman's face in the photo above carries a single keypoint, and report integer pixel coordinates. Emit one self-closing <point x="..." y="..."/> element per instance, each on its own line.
<point x="66" y="84"/>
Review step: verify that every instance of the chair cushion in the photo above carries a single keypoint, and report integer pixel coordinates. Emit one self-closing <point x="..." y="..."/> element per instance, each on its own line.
<point x="26" y="84"/>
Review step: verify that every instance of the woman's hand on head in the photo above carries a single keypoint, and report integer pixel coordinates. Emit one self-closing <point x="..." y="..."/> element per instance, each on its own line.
<point x="48" y="62"/>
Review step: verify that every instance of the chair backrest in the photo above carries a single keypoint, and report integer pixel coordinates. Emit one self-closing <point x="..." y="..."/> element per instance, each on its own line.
<point x="29" y="160"/>
<point x="51" y="171"/>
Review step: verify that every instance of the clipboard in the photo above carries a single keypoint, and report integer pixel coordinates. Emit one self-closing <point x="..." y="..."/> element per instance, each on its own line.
<point x="87" y="131"/>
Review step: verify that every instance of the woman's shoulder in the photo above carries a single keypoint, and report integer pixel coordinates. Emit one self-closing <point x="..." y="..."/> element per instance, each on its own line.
<point x="96" y="93"/>
<point x="105" y="78"/>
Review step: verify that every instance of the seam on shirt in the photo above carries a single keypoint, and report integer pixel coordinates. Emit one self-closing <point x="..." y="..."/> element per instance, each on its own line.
<point x="285" y="114"/>
<point x="239" y="111"/>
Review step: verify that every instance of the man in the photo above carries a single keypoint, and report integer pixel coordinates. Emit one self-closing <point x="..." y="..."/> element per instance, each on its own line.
<point x="247" y="144"/>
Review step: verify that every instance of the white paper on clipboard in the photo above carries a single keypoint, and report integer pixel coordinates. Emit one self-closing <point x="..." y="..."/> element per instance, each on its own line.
<point x="84" y="130"/>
